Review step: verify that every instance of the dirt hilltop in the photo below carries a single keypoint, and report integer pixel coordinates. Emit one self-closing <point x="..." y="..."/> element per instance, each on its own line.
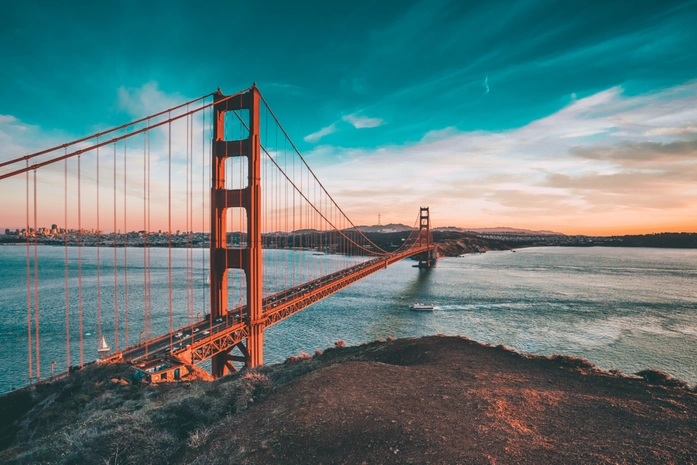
<point x="435" y="400"/>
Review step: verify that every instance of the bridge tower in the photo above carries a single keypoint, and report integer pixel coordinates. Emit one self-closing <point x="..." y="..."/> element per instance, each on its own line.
<point x="248" y="259"/>
<point x="428" y="258"/>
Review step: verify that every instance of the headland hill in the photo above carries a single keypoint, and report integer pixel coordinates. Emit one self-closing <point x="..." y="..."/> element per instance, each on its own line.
<point x="430" y="400"/>
<point x="425" y="400"/>
<point x="450" y="241"/>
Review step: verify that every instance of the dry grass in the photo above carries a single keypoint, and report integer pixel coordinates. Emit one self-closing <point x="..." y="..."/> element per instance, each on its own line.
<point x="198" y="438"/>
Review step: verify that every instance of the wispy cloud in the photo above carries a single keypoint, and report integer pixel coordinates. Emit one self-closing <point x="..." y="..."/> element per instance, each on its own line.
<point x="18" y="138"/>
<point x="283" y="87"/>
<point x="486" y="85"/>
<point x="682" y="131"/>
<point x="597" y="165"/>
<point x="363" y="122"/>
<point x="316" y="136"/>
<point x="4" y="119"/>
<point x="146" y="99"/>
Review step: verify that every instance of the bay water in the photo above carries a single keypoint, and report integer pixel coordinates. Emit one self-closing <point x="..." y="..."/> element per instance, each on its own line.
<point x="621" y="308"/>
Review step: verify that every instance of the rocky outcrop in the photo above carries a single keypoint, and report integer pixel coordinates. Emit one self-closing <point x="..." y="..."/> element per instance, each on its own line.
<point x="465" y="245"/>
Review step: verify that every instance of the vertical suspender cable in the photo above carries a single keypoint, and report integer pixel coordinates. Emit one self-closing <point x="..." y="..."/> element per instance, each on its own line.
<point x="26" y="237"/>
<point x="187" y="269"/>
<point x="125" y="245"/>
<point x="228" y="229"/>
<point x="203" y="212"/>
<point x="293" y="226"/>
<point x="189" y="213"/>
<point x="99" y="282"/>
<point x="149" y="246"/>
<point x="300" y="226"/>
<point x="169" y="224"/>
<point x="186" y="229"/>
<point x="145" y="245"/>
<point x="36" y="286"/>
<point x="79" y="256"/>
<point x="284" y="206"/>
<point x="190" y="218"/>
<point x="242" y="218"/>
<point x="241" y="224"/>
<point x="116" y="276"/>
<point x="67" y="271"/>
<point x="276" y="212"/>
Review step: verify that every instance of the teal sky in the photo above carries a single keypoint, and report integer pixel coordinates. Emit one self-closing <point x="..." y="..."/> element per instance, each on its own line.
<point x="573" y="116"/>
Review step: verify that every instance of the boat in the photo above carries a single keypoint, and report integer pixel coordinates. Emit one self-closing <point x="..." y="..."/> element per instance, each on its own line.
<point x="419" y="307"/>
<point x="103" y="349"/>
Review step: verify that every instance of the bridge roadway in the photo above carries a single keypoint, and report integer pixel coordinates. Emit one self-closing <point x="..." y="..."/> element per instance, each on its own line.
<point x="200" y="341"/>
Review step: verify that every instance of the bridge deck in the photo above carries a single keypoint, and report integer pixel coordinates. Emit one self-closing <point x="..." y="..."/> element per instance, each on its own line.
<point x="202" y="340"/>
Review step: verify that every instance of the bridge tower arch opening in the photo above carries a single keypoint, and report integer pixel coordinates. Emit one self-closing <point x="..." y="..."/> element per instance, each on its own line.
<point x="223" y="258"/>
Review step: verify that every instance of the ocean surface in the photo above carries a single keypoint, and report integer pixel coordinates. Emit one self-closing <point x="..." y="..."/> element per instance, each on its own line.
<point x="621" y="308"/>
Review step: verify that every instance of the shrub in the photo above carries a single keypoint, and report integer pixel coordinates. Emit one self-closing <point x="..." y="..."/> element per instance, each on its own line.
<point x="575" y="362"/>
<point x="254" y="383"/>
<point x="297" y="358"/>
<point x="198" y="438"/>
<point x="661" y="378"/>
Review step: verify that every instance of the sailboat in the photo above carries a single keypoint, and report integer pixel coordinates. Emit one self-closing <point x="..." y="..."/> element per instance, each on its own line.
<point x="103" y="349"/>
<point x="208" y="280"/>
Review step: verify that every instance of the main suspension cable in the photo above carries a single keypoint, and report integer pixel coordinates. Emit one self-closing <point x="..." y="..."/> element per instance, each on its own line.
<point x="99" y="134"/>
<point x="113" y="140"/>
<point x="381" y="251"/>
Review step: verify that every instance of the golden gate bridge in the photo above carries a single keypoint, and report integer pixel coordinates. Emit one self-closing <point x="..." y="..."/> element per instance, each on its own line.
<point x="221" y="163"/>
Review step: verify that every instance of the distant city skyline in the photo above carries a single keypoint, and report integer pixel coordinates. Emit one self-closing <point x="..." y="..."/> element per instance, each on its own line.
<point x="573" y="117"/>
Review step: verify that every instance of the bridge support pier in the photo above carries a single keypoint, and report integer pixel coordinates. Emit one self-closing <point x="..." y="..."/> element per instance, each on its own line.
<point x="223" y="361"/>
<point x="248" y="259"/>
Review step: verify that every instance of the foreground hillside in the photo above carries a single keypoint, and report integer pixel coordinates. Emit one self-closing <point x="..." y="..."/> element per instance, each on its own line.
<point x="429" y="400"/>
